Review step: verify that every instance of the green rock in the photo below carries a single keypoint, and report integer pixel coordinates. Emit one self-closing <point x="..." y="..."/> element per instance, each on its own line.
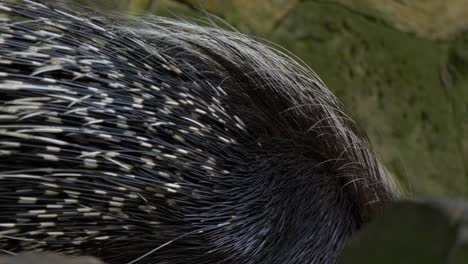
<point x="408" y="233"/>
<point x="401" y="89"/>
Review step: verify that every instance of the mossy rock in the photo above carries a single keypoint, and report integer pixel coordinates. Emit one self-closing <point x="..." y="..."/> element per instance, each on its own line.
<point x="413" y="232"/>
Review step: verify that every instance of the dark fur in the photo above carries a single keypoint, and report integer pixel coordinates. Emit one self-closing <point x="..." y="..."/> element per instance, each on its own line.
<point x="247" y="157"/>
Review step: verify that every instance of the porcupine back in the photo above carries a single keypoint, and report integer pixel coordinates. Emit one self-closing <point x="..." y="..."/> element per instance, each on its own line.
<point x="170" y="142"/>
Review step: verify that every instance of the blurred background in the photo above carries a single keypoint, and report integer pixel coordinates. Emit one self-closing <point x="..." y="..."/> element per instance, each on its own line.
<point x="399" y="66"/>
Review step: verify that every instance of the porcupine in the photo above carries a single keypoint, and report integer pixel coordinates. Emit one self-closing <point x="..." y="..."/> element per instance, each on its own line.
<point x="161" y="141"/>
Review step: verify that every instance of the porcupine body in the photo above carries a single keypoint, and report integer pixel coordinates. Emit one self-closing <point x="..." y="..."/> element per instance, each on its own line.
<point x="171" y="143"/>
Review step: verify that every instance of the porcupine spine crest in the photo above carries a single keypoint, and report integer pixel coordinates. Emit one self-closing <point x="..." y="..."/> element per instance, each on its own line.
<point x="203" y="144"/>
